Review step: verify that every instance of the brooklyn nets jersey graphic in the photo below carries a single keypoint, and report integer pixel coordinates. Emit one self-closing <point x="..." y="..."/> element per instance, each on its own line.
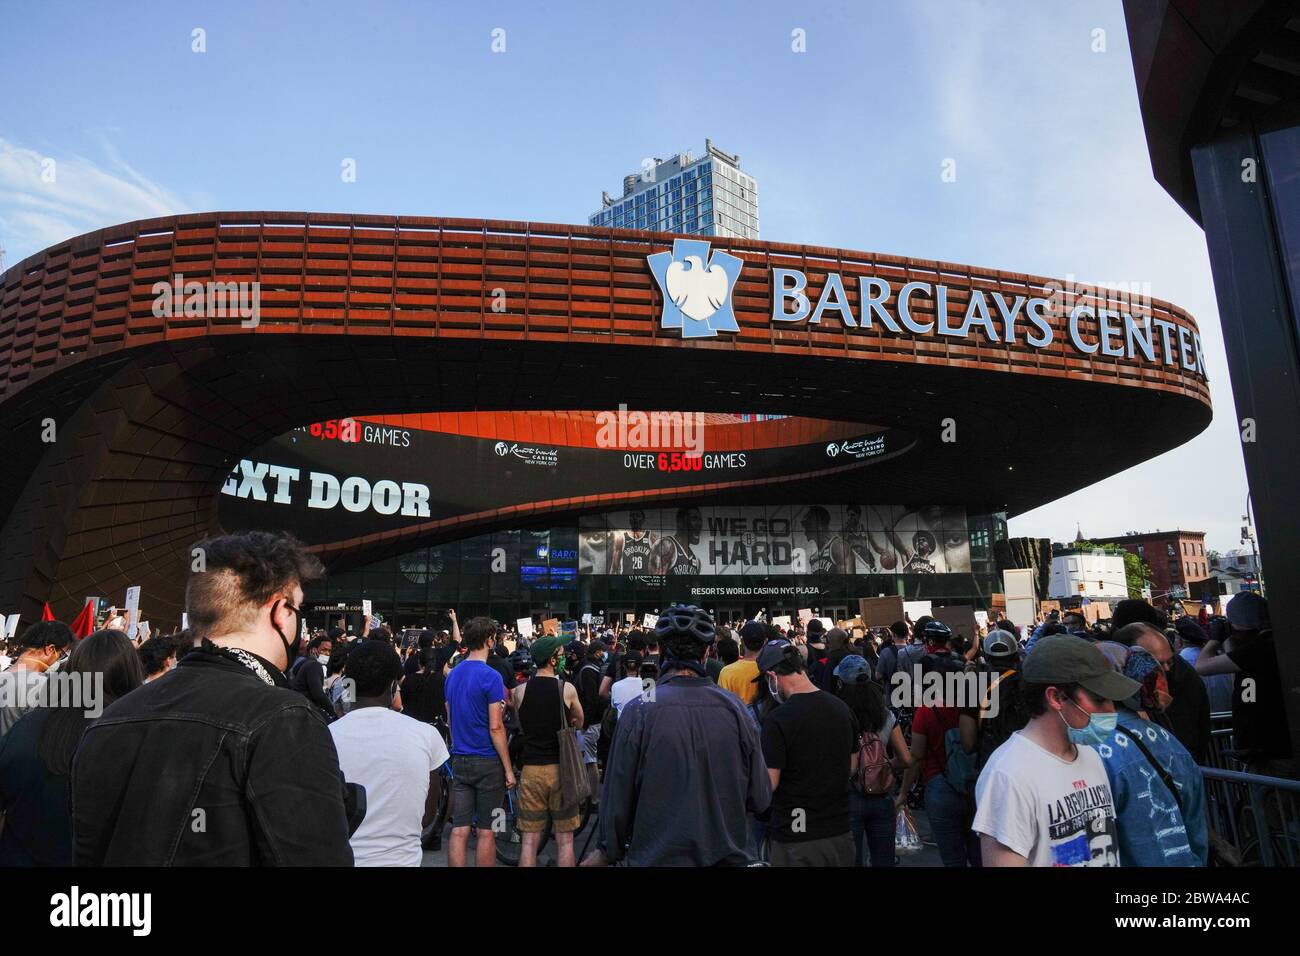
<point x="684" y="559"/>
<point x="636" y="553"/>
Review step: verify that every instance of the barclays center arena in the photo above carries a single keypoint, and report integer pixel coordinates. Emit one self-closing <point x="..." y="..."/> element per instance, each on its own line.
<point x="521" y="418"/>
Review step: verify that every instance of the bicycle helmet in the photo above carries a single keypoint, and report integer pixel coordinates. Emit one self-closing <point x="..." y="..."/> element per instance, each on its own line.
<point x="521" y="660"/>
<point x="937" y="632"/>
<point x="686" y="619"/>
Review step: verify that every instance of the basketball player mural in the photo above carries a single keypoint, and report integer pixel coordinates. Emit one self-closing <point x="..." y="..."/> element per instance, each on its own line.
<point x="631" y="551"/>
<point x="862" y="559"/>
<point x="923" y="547"/>
<point x="827" y="552"/>
<point x="675" y="553"/>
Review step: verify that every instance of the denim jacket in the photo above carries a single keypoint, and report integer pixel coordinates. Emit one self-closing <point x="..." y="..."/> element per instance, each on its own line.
<point x="1153" y="831"/>
<point x="209" y="766"/>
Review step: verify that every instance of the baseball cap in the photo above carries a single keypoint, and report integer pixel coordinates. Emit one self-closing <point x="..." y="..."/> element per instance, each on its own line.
<point x="774" y="654"/>
<point x="853" y="669"/>
<point x="544" y="649"/>
<point x="1067" y="659"/>
<point x="1001" y="644"/>
<point x="1247" y="612"/>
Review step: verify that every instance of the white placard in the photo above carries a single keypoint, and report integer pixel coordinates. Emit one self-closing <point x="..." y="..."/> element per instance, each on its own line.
<point x="917" y="609"/>
<point x="366" y="608"/>
<point x="586" y="618"/>
<point x="827" y="623"/>
<point x="525" y="627"/>
<point x="650" y="620"/>
<point x="11" y="626"/>
<point x="982" y="618"/>
<point x="805" y="615"/>
<point x="132" y="610"/>
<point x="782" y="620"/>
<point x="185" y="620"/>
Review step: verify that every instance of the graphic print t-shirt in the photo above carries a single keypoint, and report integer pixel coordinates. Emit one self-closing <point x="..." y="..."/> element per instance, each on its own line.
<point x="1051" y="811"/>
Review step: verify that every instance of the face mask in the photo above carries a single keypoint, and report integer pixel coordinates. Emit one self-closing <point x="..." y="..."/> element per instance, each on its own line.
<point x="561" y="665"/>
<point x="290" y="650"/>
<point x="1100" y="726"/>
<point x="323" y="658"/>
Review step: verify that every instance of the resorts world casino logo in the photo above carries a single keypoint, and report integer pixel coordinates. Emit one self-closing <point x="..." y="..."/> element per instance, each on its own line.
<point x="528" y="454"/>
<point x="858" y="448"/>
<point x="696" y="287"/>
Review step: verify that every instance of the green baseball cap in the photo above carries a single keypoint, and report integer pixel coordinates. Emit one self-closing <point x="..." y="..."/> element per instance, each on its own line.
<point x="1066" y="659"/>
<point x="543" y="650"/>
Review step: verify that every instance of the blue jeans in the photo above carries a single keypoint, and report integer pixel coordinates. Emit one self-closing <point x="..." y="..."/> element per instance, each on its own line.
<point x="872" y="820"/>
<point x="950" y="815"/>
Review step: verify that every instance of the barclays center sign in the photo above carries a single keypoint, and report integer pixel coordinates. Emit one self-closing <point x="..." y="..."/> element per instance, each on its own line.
<point x="697" y="299"/>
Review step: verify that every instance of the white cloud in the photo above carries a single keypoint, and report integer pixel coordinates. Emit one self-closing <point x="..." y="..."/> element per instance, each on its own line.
<point x="83" y="196"/>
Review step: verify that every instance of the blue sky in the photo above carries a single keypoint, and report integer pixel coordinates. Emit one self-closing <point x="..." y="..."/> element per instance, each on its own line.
<point x="846" y="141"/>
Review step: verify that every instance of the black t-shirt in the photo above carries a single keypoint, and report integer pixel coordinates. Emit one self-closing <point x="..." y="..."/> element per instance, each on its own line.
<point x="502" y="666"/>
<point x="811" y="739"/>
<point x="1259" y="721"/>
<point x="593" y="705"/>
<point x="420" y="697"/>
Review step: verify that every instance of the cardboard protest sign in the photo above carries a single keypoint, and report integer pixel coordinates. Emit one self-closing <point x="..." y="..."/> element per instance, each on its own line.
<point x="880" y="611"/>
<point x="551" y="627"/>
<point x="959" y="617"/>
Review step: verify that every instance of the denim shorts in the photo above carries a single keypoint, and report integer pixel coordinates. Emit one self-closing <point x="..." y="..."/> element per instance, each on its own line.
<point x="478" y="790"/>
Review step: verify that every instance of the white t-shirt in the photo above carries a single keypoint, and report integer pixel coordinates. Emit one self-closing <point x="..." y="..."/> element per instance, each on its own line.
<point x="624" y="691"/>
<point x="1051" y="811"/>
<point x="391" y="755"/>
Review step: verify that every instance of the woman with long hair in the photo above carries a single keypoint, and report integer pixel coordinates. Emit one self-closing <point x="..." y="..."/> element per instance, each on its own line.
<point x="871" y="815"/>
<point x="36" y="755"/>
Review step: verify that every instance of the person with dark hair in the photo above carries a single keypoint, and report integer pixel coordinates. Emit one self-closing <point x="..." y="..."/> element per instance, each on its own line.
<point x="423" y="642"/>
<point x="480" y="759"/>
<point x="588" y="680"/>
<point x="685" y="765"/>
<point x="157" y="656"/>
<point x="948" y="810"/>
<point x="338" y="689"/>
<point x="1135" y="611"/>
<point x="1192" y="638"/>
<point x="1247" y="652"/>
<point x="421" y="690"/>
<point x="546" y="705"/>
<point x="889" y="662"/>
<point x="222" y="734"/>
<point x="728" y="653"/>
<point x="21" y="685"/>
<point x="871" y="812"/>
<point x="810" y="745"/>
<point x="307" y="675"/>
<point x="393" y="756"/>
<point x="1044" y="798"/>
<point x="738" y="677"/>
<point x="36" y="755"/>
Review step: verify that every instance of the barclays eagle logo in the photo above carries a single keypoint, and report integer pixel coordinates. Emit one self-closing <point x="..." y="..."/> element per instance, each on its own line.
<point x="696" y="288"/>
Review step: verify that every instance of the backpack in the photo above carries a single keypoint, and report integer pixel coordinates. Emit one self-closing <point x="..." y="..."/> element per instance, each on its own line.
<point x="962" y="769"/>
<point x="959" y="767"/>
<point x="874" y="776"/>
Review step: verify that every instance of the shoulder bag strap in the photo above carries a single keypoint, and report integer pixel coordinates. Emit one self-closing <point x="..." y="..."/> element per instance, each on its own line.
<point x="1165" y="777"/>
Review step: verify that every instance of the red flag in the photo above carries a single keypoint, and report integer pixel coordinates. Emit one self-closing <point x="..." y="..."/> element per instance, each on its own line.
<point x="84" y="625"/>
<point x="47" y="614"/>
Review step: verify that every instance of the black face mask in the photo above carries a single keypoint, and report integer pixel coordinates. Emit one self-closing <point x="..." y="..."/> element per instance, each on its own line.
<point x="290" y="650"/>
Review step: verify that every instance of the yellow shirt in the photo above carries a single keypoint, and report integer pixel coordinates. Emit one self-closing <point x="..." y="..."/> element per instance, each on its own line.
<point x="739" y="679"/>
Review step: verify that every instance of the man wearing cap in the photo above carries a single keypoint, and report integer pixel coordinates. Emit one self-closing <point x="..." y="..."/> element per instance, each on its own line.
<point x="1043" y="798"/>
<point x="1259" y="720"/>
<point x="545" y="704"/>
<point x="739" y="678"/>
<point x="810" y="744"/>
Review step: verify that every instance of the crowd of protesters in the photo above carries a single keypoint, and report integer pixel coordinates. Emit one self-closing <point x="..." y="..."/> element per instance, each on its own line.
<point x="243" y="741"/>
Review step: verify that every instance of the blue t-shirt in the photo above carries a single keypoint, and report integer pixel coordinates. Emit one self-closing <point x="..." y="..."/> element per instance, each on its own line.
<point x="472" y="687"/>
<point x="1152" y="829"/>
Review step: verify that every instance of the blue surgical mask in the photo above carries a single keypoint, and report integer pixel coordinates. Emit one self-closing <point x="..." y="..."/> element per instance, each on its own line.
<point x="1100" y="726"/>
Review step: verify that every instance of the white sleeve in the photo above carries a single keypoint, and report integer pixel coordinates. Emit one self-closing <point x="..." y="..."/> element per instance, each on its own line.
<point x="437" y="747"/>
<point x="1005" y="811"/>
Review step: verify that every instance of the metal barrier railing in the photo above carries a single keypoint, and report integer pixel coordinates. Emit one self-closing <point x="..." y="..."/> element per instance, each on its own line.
<point x="1258" y="816"/>
<point x="1222" y="742"/>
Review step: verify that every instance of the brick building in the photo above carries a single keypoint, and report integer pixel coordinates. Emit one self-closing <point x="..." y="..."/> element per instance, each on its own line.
<point x="1176" y="559"/>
